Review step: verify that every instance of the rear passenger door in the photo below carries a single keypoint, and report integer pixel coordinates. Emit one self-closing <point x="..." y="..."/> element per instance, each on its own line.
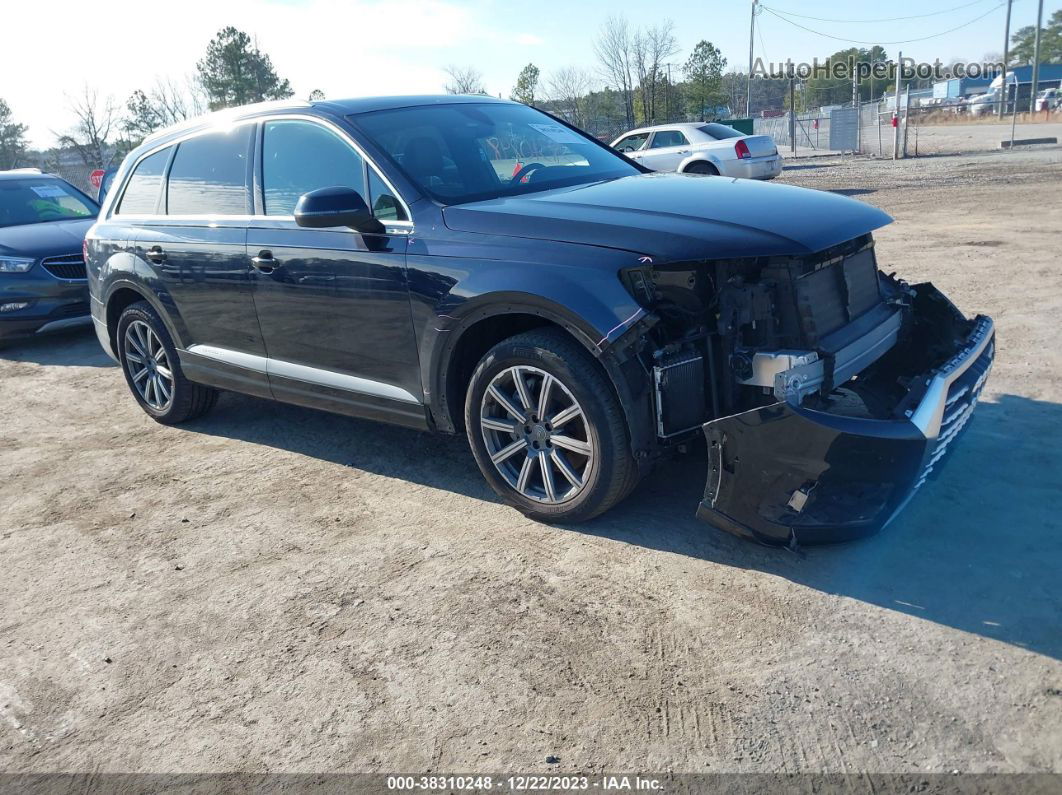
<point x="667" y="148"/>
<point x="333" y="304"/>
<point x="195" y="243"/>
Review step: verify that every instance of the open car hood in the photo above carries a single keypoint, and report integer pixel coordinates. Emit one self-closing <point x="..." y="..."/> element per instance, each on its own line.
<point x="676" y="217"/>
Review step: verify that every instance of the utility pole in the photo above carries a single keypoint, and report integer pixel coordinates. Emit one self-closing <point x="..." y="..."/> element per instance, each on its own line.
<point x="896" y="109"/>
<point x="748" y="82"/>
<point x="855" y="104"/>
<point x="1036" y="58"/>
<point x="792" y="115"/>
<point x="1006" y="59"/>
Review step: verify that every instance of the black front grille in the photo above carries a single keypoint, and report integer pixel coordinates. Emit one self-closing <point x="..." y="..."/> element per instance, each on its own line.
<point x="70" y="266"/>
<point x="71" y="310"/>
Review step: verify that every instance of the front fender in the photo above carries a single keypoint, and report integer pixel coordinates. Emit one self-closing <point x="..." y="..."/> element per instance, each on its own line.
<point x="453" y="295"/>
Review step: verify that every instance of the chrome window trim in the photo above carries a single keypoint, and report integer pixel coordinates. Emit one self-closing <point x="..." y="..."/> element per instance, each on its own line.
<point x="302" y="372"/>
<point x="343" y="135"/>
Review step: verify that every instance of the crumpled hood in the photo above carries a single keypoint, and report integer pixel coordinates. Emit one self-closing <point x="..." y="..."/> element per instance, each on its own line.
<point x="675" y="217"/>
<point x="48" y="239"/>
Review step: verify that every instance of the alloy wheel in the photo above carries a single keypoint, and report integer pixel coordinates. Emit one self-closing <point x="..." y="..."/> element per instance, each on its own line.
<point x="537" y="435"/>
<point x="148" y="365"/>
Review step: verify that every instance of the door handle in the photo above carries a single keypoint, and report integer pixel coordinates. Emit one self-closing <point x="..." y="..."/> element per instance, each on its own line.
<point x="684" y="151"/>
<point x="156" y="254"/>
<point x="264" y="262"/>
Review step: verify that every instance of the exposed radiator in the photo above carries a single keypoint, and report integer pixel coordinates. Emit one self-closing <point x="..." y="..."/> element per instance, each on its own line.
<point x="680" y="403"/>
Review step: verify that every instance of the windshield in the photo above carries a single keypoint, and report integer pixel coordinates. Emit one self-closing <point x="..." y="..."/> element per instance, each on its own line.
<point x="469" y="152"/>
<point x="720" y="131"/>
<point x="35" y="200"/>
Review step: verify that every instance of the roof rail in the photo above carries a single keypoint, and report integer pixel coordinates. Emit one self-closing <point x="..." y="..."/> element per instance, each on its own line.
<point x="227" y="115"/>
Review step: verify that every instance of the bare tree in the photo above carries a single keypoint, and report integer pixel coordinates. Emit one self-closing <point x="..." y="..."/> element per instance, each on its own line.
<point x="614" y="49"/>
<point x="464" y="80"/>
<point x="167" y="102"/>
<point x="180" y="101"/>
<point x="651" y="49"/>
<point x="91" y="135"/>
<point x="569" y="90"/>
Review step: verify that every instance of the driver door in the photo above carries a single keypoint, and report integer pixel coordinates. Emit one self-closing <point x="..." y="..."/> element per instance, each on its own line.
<point x="333" y="304"/>
<point x="632" y="145"/>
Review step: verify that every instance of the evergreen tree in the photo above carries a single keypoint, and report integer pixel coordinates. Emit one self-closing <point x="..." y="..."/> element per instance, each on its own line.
<point x="235" y="72"/>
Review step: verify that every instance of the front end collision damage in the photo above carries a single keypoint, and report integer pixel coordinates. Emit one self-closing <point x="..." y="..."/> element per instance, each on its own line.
<point x="827" y="391"/>
<point x="819" y="470"/>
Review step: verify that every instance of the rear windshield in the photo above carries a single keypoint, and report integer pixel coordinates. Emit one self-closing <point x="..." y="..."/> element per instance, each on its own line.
<point x="720" y="131"/>
<point x="467" y="152"/>
<point x="37" y="200"/>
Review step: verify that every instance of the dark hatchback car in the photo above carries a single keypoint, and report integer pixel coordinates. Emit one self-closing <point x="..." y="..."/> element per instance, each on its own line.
<point x="43" y="221"/>
<point x="578" y="317"/>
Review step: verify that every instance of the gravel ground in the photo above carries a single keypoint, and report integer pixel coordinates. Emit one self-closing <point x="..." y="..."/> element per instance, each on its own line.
<point x="275" y="589"/>
<point x="948" y="138"/>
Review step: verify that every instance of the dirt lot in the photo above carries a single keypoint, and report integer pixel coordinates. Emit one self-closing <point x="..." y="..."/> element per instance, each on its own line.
<point x="950" y="138"/>
<point x="272" y="588"/>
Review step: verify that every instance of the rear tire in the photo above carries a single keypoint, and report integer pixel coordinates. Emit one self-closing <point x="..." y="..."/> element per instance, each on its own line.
<point x="562" y="458"/>
<point x="701" y="167"/>
<point x="153" y="371"/>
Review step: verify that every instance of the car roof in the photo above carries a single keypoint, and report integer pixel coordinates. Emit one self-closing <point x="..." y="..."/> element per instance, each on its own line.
<point x="340" y="107"/>
<point x="22" y="173"/>
<point x="368" y="104"/>
<point x="682" y="125"/>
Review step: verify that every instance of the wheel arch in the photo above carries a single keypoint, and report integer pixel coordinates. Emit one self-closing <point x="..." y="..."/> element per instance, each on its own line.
<point x="478" y="331"/>
<point x="121" y="294"/>
<point x="702" y="157"/>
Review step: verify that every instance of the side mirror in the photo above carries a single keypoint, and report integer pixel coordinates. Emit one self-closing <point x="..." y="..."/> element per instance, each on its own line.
<point x="338" y="206"/>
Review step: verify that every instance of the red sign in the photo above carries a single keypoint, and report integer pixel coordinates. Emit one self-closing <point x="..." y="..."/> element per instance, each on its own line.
<point x="96" y="178"/>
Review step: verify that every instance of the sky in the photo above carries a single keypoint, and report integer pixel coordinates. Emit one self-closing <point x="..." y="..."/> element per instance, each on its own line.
<point x="373" y="47"/>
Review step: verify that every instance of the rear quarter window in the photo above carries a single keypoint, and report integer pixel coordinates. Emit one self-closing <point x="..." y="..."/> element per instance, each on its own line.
<point x="142" y="191"/>
<point x="209" y="174"/>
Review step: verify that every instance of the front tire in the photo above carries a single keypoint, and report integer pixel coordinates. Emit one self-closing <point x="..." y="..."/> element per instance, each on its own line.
<point x="547" y="429"/>
<point x="152" y="370"/>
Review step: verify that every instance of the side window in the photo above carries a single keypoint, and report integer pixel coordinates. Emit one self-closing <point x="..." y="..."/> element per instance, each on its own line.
<point x="300" y="156"/>
<point x="384" y="203"/>
<point x="209" y="174"/>
<point x="142" y="193"/>
<point x="632" y="143"/>
<point x="666" y="138"/>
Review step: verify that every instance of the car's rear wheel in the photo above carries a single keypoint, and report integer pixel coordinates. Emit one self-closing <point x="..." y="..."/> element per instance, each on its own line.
<point x="547" y="429"/>
<point x="152" y="370"/>
<point x="701" y="167"/>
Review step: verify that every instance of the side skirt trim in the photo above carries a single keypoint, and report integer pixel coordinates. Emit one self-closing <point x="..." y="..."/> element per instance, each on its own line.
<point x="301" y="372"/>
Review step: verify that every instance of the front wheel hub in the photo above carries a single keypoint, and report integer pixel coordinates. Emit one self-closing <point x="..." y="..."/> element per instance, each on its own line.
<point x="536" y="434"/>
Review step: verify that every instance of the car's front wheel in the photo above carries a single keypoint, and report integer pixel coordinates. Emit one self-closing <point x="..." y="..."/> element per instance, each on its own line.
<point x="547" y="429"/>
<point x="152" y="370"/>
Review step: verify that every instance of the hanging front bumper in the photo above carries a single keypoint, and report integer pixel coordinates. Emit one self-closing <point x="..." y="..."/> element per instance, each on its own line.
<point x="786" y="474"/>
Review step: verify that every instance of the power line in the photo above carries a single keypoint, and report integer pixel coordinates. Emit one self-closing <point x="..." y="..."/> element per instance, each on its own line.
<point x="881" y="19"/>
<point x="902" y="41"/>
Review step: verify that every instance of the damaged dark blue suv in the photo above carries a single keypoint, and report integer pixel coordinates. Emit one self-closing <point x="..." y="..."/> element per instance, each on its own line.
<point x="463" y="264"/>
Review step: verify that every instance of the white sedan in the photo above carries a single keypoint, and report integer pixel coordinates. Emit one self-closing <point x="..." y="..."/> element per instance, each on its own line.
<point x="702" y="148"/>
